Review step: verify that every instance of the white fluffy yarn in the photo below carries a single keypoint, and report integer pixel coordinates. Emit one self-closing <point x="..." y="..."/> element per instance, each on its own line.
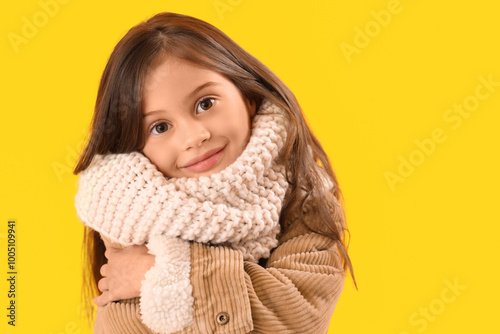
<point x="128" y="200"/>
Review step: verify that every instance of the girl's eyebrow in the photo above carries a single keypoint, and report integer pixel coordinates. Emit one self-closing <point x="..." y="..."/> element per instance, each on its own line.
<point x="188" y="97"/>
<point x="199" y="88"/>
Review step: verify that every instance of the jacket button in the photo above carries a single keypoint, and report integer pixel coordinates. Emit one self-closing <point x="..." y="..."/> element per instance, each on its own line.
<point x="222" y="318"/>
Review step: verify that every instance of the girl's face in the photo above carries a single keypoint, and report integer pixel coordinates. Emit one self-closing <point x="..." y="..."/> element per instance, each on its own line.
<point x="196" y="121"/>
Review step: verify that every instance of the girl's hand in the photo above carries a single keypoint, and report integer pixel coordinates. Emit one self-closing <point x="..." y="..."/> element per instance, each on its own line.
<point x="123" y="274"/>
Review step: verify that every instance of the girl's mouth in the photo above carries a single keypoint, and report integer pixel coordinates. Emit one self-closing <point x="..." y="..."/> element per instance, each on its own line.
<point x="205" y="161"/>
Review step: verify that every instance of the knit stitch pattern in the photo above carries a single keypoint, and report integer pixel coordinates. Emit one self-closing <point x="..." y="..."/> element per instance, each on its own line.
<point x="127" y="199"/>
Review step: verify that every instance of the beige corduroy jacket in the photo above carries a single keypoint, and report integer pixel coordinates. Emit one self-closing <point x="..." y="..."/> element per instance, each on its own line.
<point x="296" y="292"/>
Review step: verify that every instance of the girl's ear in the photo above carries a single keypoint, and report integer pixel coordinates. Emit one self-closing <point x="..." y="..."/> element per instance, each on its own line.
<point x="251" y="106"/>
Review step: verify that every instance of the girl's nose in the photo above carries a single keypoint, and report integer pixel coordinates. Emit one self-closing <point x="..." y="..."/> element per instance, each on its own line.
<point x="195" y="133"/>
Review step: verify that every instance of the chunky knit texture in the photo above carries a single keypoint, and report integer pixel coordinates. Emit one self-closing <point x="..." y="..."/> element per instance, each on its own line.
<point x="128" y="200"/>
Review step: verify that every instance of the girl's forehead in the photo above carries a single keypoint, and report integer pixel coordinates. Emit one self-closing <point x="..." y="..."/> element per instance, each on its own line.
<point x="178" y="81"/>
<point x="176" y="71"/>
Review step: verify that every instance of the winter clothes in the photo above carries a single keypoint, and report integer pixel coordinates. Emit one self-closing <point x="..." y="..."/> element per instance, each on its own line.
<point x="295" y="292"/>
<point x="195" y="287"/>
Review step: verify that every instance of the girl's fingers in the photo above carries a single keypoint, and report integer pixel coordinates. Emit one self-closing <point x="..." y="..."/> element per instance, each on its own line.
<point x="103" y="284"/>
<point x="103" y="270"/>
<point x="103" y="299"/>
<point x="110" y="251"/>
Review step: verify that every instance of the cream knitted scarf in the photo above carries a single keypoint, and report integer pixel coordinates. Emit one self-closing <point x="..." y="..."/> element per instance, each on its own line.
<point x="128" y="200"/>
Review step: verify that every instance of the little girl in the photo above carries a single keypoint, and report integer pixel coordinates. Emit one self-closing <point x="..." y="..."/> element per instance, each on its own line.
<point x="244" y="174"/>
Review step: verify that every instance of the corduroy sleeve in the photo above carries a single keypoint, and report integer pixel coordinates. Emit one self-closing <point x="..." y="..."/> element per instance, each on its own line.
<point x="295" y="292"/>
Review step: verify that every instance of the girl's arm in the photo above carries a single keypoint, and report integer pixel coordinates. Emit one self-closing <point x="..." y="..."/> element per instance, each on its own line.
<point x="295" y="292"/>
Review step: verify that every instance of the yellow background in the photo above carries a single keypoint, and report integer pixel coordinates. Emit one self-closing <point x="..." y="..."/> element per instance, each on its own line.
<point x="436" y="226"/>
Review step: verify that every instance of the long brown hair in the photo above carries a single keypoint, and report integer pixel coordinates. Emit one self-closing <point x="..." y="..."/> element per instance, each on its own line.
<point x="116" y="124"/>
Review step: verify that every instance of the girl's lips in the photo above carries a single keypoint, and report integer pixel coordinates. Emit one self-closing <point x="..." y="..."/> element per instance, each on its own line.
<point x="205" y="161"/>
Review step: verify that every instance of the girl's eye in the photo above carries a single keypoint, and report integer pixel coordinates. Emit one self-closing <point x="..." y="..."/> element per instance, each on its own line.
<point x="160" y="127"/>
<point x="205" y="104"/>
